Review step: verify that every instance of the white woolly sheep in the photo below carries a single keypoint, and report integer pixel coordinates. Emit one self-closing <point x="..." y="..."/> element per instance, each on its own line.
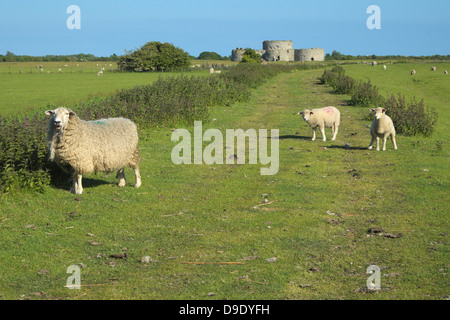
<point x="413" y="72"/>
<point x="445" y="72"/>
<point x="100" y="73"/>
<point x="384" y="67"/>
<point x="433" y="68"/>
<point x="211" y="70"/>
<point x="382" y="127"/>
<point x="328" y="117"/>
<point x="80" y="147"/>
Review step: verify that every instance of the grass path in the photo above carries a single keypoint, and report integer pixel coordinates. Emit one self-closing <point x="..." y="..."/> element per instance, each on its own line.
<point x="211" y="235"/>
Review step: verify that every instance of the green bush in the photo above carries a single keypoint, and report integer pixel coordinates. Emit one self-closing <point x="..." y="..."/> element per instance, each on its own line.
<point x="365" y="94"/>
<point x="337" y="79"/>
<point x="411" y="118"/>
<point x="250" y="56"/>
<point x="155" y="56"/>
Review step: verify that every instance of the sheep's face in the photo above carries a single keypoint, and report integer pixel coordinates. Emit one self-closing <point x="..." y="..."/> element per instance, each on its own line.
<point x="59" y="118"/>
<point x="378" y="112"/>
<point x="306" y="114"/>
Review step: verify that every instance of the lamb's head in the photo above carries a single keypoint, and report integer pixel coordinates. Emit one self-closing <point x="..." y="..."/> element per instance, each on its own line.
<point x="306" y="114"/>
<point x="378" y="112"/>
<point x="59" y="118"/>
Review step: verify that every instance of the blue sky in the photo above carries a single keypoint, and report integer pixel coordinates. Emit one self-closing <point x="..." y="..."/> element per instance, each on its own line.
<point x="29" y="27"/>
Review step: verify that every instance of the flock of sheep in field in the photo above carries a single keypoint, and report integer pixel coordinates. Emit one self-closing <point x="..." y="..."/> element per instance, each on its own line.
<point x="81" y="147"/>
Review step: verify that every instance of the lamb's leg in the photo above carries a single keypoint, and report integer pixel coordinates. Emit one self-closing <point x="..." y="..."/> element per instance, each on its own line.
<point x="378" y="144"/>
<point x="371" y="143"/>
<point x="314" y="134"/>
<point x="393" y="141"/>
<point x="335" y="131"/>
<point x="121" y="176"/>
<point x="138" y="177"/>
<point x="324" y="137"/>
<point x="384" y="142"/>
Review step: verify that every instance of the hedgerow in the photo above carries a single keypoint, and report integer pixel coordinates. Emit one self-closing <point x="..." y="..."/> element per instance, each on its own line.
<point x="409" y="117"/>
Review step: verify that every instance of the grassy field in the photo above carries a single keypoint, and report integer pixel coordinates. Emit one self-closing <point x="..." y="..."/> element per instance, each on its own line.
<point x="23" y="87"/>
<point x="211" y="234"/>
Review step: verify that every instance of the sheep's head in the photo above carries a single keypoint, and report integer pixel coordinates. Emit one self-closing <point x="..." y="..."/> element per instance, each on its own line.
<point x="59" y="118"/>
<point x="306" y="114"/>
<point x="378" y="112"/>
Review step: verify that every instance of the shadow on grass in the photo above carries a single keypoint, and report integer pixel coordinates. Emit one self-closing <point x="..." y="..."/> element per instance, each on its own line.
<point x="63" y="181"/>
<point x="291" y="136"/>
<point x="348" y="147"/>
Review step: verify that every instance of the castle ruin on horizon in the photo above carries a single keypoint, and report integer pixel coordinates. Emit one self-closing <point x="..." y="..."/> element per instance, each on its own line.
<point x="282" y="50"/>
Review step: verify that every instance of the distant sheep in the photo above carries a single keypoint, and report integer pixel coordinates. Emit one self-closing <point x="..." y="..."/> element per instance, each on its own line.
<point x="328" y="117"/>
<point x="384" y="67"/>
<point x="382" y="127"/>
<point x="100" y="73"/>
<point x="80" y="147"/>
<point x="445" y="72"/>
<point x="433" y="68"/>
<point x="211" y="70"/>
<point x="413" y="72"/>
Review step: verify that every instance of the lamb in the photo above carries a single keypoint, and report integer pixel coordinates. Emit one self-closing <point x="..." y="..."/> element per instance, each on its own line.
<point x="413" y="72"/>
<point x="445" y="72"/>
<point x="328" y="117"/>
<point x="384" y="67"/>
<point x="433" y="68"/>
<point x="382" y="127"/>
<point x="100" y="73"/>
<point x="80" y="147"/>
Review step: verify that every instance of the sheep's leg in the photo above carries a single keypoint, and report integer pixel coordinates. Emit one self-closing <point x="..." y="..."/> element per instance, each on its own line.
<point x="393" y="141"/>
<point x="324" y="137"/>
<point x="378" y="143"/>
<point x="314" y="134"/>
<point x="384" y="141"/>
<point x="138" y="178"/>
<point x="121" y="176"/>
<point x="371" y="143"/>
<point x="77" y="186"/>
<point x="335" y="131"/>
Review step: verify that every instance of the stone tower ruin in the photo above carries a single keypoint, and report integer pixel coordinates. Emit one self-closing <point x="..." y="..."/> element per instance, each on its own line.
<point x="282" y="50"/>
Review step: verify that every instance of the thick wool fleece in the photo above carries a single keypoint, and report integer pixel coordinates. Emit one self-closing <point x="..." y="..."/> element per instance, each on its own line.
<point x="96" y="146"/>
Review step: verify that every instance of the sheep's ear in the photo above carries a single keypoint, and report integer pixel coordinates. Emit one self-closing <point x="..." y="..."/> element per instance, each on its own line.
<point x="49" y="112"/>
<point x="310" y="113"/>
<point x="384" y="110"/>
<point x="71" y="113"/>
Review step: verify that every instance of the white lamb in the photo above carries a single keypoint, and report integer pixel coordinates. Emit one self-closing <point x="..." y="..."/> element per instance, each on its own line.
<point x="382" y="127"/>
<point x="81" y="147"/>
<point x="100" y="73"/>
<point x="328" y="117"/>
<point x="413" y="72"/>
<point x="445" y="72"/>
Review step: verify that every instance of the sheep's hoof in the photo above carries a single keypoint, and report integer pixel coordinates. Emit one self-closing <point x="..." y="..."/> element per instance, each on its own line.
<point x="370" y="147"/>
<point x="137" y="185"/>
<point x="122" y="183"/>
